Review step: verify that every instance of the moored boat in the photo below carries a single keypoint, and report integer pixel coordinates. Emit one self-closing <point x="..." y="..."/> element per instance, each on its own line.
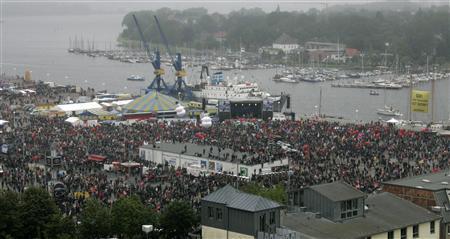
<point x="136" y="78"/>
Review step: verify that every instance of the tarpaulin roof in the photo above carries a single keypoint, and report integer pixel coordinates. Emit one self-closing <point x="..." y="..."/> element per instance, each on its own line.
<point x="79" y="106"/>
<point x="152" y="102"/>
<point x="97" y="158"/>
<point x="72" y="120"/>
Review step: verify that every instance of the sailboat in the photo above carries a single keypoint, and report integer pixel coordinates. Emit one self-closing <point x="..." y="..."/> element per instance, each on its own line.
<point x="388" y="110"/>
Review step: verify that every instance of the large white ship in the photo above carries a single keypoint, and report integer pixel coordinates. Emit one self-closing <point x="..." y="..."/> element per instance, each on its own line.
<point x="218" y="89"/>
<point x="230" y="91"/>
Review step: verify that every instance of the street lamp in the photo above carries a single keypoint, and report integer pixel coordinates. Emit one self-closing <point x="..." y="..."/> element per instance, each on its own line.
<point x="315" y="110"/>
<point x="147" y="229"/>
<point x="356" y="111"/>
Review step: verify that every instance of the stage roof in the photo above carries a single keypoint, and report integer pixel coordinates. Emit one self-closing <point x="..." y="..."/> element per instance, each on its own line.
<point x="152" y="102"/>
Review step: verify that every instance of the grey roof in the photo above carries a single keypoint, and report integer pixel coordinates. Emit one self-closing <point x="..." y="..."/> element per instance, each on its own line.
<point x="432" y="181"/>
<point x="222" y="195"/>
<point x="386" y="212"/>
<point x="197" y="150"/>
<point x="236" y="199"/>
<point x="285" y="39"/>
<point x="337" y="191"/>
<point x="441" y="199"/>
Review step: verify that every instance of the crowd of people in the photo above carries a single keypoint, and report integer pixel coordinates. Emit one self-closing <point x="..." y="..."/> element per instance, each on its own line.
<point x="364" y="155"/>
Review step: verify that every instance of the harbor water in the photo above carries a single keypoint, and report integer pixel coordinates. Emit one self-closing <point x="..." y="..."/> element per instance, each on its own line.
<point x="39" y="44"/>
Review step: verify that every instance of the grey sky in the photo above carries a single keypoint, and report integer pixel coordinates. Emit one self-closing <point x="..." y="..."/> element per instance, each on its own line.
<point x="39" y="7"/>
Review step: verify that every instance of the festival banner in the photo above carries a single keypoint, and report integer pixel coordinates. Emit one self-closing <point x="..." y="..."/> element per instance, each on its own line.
<point x="243" y="172"/>
<point x="419" y="101"/>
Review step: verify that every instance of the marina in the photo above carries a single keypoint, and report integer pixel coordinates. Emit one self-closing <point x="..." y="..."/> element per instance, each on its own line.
<point x="138" y="121"/>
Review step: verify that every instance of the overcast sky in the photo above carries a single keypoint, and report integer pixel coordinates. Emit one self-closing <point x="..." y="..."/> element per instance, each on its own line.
<point x="14" y="7"/>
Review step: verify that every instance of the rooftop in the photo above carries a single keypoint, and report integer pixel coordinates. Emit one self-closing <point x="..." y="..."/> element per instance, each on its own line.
<point x="386" y="212"/>
<point x="196" y="150"/>
<point x="285" y="39"/>
<point x="236" y="199"/>
<point x="432" y="181"/>
<point x="337" y="191"/>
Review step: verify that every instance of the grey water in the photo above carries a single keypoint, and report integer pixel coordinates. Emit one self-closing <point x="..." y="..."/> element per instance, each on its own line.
<point x="40" y="43"/>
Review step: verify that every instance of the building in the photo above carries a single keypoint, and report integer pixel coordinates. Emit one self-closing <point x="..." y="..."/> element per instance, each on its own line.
<point x="269" y="50"/>
<point x="338" y="211"/>
<point x="429" y="191"/>
<point x="208" y="159"/>
<point x="285" y="43"/>
<point x="230" y="213"/>
<point x="319" y="51"/>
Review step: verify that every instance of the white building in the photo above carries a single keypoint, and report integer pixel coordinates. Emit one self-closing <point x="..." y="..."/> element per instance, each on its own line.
<point x="285" y="43"/>
<point x="209" y="158"/>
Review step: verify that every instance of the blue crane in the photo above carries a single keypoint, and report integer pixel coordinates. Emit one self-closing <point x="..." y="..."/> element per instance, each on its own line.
<point x="177" y="64"/>
<point x="155" y="60"/>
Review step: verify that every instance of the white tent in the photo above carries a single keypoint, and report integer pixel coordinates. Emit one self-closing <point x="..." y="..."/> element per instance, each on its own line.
<point x="78" y="107"/>
<point x="2" y="122"/>
<point x="393" y="121"/>
<point x="73" y="120"/>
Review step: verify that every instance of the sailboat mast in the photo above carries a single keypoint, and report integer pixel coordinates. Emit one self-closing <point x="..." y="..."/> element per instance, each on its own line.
<point x="433" y="91"/>
<point x="320" y="101"/>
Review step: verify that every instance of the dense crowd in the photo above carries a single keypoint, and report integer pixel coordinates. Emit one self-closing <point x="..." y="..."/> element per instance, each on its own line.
<point x="363" y="155"/>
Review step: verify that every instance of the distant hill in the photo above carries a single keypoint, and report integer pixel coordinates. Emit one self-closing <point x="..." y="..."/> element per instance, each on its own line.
<point x="384" y="6"/>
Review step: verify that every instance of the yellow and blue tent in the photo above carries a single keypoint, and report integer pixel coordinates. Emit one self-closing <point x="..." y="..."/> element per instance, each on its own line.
<point x="152" y="102"/>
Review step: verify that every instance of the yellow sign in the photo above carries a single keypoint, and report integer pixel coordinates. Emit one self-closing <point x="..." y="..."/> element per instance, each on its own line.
<point x="419" y="101"/>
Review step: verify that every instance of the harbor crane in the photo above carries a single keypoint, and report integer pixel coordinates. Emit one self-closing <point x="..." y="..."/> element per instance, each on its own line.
<point x="155" y="60"/>
<point x="177" y="64"/>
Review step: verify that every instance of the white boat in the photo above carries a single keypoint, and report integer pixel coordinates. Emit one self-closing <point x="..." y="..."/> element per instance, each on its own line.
<point x="389" y="111"/>
<point x="373" y="92"/>
<point x="136" y="78"/>
<point x="288" y="79"/>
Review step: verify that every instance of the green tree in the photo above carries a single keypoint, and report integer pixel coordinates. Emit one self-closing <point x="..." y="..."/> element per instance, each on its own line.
<point x="39" y="212"/>
<point x="128" y="216"/>
<point x="275" y="193"/>
<point x="10" y="215"/>
<point x="95" y="220"/>
<point x="177" y="220"/>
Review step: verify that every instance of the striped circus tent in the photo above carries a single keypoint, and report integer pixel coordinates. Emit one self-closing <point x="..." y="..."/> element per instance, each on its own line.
<point x="152" y="102"/>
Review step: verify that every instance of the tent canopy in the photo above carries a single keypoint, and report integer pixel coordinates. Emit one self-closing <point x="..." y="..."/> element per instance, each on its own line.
<point x="392" y="121"/>
<point x="96" y="158"/>
<point x="2" y="122"/>
<point x="152" y="102"/>
<point x="72" y="120"/>
<point x="78" y="107"/>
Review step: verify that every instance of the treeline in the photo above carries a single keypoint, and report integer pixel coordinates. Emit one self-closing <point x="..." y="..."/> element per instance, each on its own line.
<point x="411" y="35"/>
<point x="35" y="214"/>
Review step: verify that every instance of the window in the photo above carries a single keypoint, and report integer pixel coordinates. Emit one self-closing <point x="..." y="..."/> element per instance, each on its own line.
<point x="219" y="213"/>
<point x="262" y="222"/>
<point x="349" y="208"/>
<point x="391" y="235"/>
<point x="403" y="234"/>
<point x="415" y="231"/>
<point x="272" y="218"/>
<point x="432" y="227"/>
<point x="210" y="212"/>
